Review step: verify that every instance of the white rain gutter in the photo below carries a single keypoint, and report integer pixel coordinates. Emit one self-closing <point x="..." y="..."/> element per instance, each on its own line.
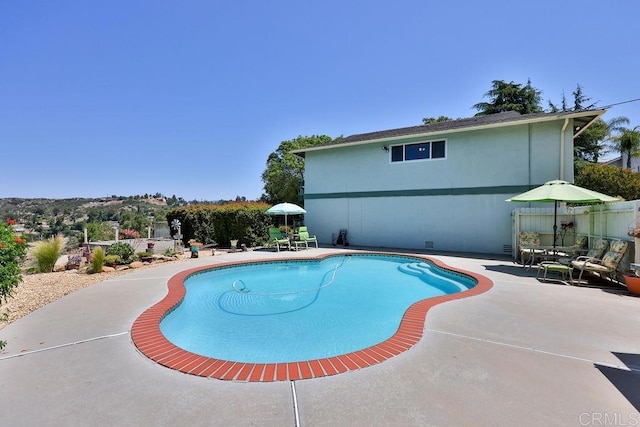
<point x="562" y="144"/>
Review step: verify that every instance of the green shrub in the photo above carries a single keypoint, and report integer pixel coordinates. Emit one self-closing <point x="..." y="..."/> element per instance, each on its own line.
<point x="209" y="224"/>
<point x="170" y="252"/>
<point x="12" y="251"/>
<point x="97" y="260"/>
<point x="47" y="252"/>
<point x="112" y="259"/>
<point x="124" y="251"/>
<point x="97" y="231"/>
<point x="609" y="180"/>
<point x="144" y="254"/>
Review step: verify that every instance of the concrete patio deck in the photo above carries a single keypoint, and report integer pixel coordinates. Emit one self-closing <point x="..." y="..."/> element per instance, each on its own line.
<point x="523" y="353"/>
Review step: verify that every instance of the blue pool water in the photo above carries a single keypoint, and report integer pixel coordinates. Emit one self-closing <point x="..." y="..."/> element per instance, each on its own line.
<point x="302" y="310"/>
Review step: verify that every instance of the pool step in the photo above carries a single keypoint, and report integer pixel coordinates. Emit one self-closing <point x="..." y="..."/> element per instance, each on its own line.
<point x="425" y="272"/>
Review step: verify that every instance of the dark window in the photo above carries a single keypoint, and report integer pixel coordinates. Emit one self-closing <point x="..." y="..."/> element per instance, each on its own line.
<point x="397" y="153"/>
<point x="417" y="151"/>
<point x="437" y="150"/>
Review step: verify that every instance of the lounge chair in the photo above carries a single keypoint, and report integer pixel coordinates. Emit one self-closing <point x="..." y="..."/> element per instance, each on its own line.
<point x="564" y="266"/>
<point x="529" y="243"/>
<point x="607" y="265"/>
<point x="304" y="238"/>
<point x="598" y="250"/>
<point x="570" y="253"/>
<point x="275" y="236"/>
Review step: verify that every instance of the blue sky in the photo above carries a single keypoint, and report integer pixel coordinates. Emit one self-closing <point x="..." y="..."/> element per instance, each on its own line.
<point x="189" y="98"/>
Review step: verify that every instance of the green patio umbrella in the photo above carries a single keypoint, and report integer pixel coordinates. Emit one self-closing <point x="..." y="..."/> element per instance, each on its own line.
<point x="285" y="209"/>
<point x="561" y="191"/>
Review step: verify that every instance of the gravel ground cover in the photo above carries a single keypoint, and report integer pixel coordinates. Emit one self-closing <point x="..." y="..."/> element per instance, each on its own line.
<point x="38" y="290"/>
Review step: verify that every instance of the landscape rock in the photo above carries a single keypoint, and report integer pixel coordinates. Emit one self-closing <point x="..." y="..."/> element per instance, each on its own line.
<point x="61" y="263"/>
<point x="136" y="264"/>
<point x="107" y="269"/>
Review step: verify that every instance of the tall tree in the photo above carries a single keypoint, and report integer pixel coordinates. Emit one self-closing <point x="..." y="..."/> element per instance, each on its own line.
<point x="510" y="97"/>
<point x="284" y="174"/>
<point x="553" y="108"/>
<point x="595" y="140"/>
<point x="591" y="143"/>
<point x="628" y="142"/>
<point x="580" y="99"/>
<point x="580" y="102"/>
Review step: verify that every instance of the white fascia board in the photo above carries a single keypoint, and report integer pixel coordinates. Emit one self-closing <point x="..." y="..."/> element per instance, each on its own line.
<point x="549" y="118"/>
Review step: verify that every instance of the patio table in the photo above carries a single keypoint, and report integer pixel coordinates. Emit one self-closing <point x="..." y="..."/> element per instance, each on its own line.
<point x="534" y="251"/>
<point x="551" y="253"/>
<point x="546" y="253"/>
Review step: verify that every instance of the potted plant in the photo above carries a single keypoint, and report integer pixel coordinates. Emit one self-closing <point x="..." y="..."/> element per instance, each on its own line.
<point x="633" y="283"/>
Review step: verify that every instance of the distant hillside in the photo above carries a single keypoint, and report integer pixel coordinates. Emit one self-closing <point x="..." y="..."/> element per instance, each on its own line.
<point x="42" y="218"/>
<point x="25" y="209"/>
<point x="45" y="217"/>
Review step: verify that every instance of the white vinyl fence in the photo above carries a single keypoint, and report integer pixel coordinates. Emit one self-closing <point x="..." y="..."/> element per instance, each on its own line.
<point x="610" y="221"/>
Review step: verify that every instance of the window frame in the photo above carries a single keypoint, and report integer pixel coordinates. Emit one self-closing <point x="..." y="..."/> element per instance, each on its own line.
<point x="426" y="159"/>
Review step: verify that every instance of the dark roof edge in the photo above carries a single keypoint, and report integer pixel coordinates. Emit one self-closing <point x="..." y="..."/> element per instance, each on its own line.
<point x="509" y="118"/>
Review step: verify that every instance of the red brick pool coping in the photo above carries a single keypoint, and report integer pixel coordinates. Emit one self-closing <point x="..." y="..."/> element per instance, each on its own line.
<point x="150" y="341"/>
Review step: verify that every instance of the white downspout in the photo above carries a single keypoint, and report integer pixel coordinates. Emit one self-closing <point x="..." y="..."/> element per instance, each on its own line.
<point x="562" y="144"/>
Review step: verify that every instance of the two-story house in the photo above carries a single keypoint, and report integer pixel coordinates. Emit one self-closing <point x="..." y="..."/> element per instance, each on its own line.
<point x="440" y="186"/>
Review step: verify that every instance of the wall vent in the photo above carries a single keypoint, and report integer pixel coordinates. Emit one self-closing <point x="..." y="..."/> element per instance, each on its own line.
<point x="428" y="244"/>
<point x="507" y="249"/>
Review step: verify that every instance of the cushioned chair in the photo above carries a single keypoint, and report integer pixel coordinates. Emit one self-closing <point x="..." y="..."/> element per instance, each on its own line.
<point x="572" y="252"/>
<point x="528" y="243"/>
<point x="598" y="250"/>
<point x="580" y="244"/>
<point x="275" y="236"/>
<point x="605" y="266"/>
<point x="563" y="265"/>
<point x="304" y="238"/>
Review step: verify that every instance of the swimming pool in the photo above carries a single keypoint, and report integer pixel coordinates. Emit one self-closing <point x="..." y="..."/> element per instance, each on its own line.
<point x="297" y="318"/>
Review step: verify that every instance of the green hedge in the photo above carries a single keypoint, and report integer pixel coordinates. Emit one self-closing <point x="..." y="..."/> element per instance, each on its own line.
<point x="609" y="180"/>
<point x="209" y="224"/>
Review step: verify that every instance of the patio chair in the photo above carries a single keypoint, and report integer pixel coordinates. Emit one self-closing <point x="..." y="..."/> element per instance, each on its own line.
<point x="275" y="236"/>
<point x="598" y="250"/>
<point x="304" y="238"/>
<point x="605" y="266"/>
<point x="572" y="252"/>
<point x="563" y="264"/>
<point x="580" y="244"/>
<point x="528" y="243"/>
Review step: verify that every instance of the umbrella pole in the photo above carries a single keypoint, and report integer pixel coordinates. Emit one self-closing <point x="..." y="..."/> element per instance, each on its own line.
<point x="555" y="223"/>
